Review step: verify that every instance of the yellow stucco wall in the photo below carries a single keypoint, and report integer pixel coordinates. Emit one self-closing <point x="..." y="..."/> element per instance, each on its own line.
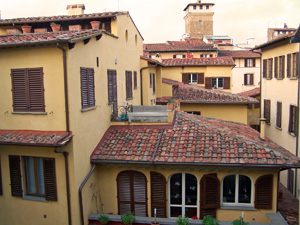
<point x="229" y="112"/>
<point x="106" y="177"/>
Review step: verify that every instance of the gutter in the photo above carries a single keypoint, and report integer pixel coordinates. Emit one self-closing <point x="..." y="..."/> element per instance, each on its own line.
<point x="141" y="78"/>
<point x="260" y="80"/>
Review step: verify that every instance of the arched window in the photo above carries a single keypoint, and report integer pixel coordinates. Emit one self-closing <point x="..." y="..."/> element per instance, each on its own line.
<point x="237" y="189"/>
<point x="183" y="195"/>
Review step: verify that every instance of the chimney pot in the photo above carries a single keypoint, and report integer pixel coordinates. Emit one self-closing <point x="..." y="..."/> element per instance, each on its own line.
<point x="262" y="128"/>
<point x="76" y="9"/>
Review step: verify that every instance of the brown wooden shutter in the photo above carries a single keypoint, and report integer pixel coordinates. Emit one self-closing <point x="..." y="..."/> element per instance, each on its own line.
<point x="297" y="64"/>
<point x="91" y="87"/>
<point x="110" y="86"/>
<point x="271" y="68"/>
<point x="254" y="62"/>
<point x="1" y="188"/>
<point x="158" y="194"/>
<point x="128" y="77"/>
<point x="174" y="56"/>
<point x="20" y="92"/>
<point x="264" y="192"/>
<point x="245" y="79"/>
<point x="267" y="110"/>
<point x="50" y="179"/>
<point x="251" y="79"/>
<point x="183" y="56"/>
<point x="185" y="78"/>
<point x="278" y="114"/>
<point x="87" y="87"/>
<point x="36" y="89"/>
<point x="293" y="128"/>
<point x="200" y="78"/>
<point x="208" y="82"/>
<point x="283" y="66"/>
<point x="210" y="55"/>
<point x="135" y="79"/>
<point x="154" y="85"/>
<point x="226" y="83"/>
<point x="132" y="193"/>
<point x="289" y="65"/>
<point x="245" y="62"/>
<point x="15" y="176"/>
<point x="276" y="68"/>
<point x="290" y="180"/>
<point x="209" y="195"/>
<point x="112" y="89"/>
<point x="265" y="68"/>
<point x="150" y="79"/>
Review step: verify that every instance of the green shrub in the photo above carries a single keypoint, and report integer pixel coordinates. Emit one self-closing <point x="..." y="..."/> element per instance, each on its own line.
<point x="239" y="222"/>
<point x="127" y="218"/>
<point x="103" y="218"/>
<point x="209" y="220"/>
<point x="182" y="220"/>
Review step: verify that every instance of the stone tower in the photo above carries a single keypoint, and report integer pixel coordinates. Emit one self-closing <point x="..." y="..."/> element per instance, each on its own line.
<point x="198" y="20"/>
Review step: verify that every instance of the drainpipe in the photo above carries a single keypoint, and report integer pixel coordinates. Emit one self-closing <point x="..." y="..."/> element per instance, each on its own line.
<point x="260" y="75"/>
<point x="80" y="193"/>
<point x="141" y="76"/>
<point x="66" y="154"/>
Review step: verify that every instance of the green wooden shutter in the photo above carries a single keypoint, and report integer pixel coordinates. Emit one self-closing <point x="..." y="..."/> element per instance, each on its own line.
<point x="264" y="192"/>
<point x="50" y="179"/>
<point x="15" y="176"/>
<point x="158" y="194"/>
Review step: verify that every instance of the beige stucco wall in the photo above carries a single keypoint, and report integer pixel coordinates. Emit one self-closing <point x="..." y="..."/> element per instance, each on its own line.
<point x="285" y="91"/>
<point x="229" y="112"/>
<point x="106" y="177"/>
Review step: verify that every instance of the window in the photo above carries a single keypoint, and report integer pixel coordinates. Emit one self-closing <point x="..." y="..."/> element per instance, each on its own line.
<point x="158" y="194"/>
<point x="278" y="114"/>
<point x="183" y="195"/>
<point x="237" y="189"/>
<point x="128" y="77"/>
<point x="112" y="89"/>
<point x="39" y="177"/>
<point x="200" y="22"/>
<point x="292" y="65"/>
<point x="207" y="7"/>
<point x="87" y="87"/>
<point x="217" y="83"/>
<point x="150" y="77"/>
<point x="279" y="64"/>
<point x="201" y="7"/>
<point x="135" y="79"/>
<point x="249" y="62"/>
<point x="154" y="85"/>
<point x="248" y="79"/>
<point x="270" y="68"/>
<point x="132" y="193"/>
<point x="293" y="120"/>
<point x="194" y="112"/>
<point x="179" y="56"/>
<point x="193" y="78"/>
<point x="194" y="7"/>
<point x="267" y="110"/>
<point x="28" y="90"/>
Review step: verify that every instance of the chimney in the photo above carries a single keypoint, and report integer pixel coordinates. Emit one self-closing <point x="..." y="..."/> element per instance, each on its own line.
<point x="76" y="9"/>
<point x="262" y="128"/>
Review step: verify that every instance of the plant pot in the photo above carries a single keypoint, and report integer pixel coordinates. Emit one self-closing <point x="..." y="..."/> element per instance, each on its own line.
<point x="155" y="223"/>
<point x="103" y="223"/>
<point x="95" y="24"/>
<point x="12" y="31"/>
<point x="26" y="29"/>
<point x="55" y="27"/>
<point x="291" y="219"/>
<point x="40" y="30"/>
<point x="171" y="106"/>
<point x="75" y="27"/>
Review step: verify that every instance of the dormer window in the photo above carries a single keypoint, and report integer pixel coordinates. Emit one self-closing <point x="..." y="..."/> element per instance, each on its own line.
<point x="201" y="7"/>
<point x="207" y="7"/>
<point x="194" y="7"/>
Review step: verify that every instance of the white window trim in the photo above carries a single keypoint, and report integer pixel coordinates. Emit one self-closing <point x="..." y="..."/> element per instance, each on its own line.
<point x="191" y="78"/>
<point x="217" y="81"/>
<point x="183" y="196"/>
<point x="251" y="204"/>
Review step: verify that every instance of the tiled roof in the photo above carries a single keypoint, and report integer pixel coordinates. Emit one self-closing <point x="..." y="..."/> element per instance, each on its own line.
<point x="60" y="18"/>
<point x="278" y="39"/>
<point x="251" y="93"/>
<point x="173" y="46"/>
<point x="192" y="140"/>
<point x="217" y="61"/>
<point x="188" y="93"/>
<point x="238" y="54"/>
<point x="34" y="137"/>
<point x="48" y="37"/>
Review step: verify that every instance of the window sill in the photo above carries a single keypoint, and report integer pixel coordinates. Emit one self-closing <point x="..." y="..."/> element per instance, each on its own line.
<point x="279" y="78"/>
<point x="293" y="78"/>
<point x="30" y="113"/>
<point x="88" y="109"/>
<point x="236" y="207"/>
<point x="129" y="98"/>
<point x="278" y="128"/>
<point x="292" y="134"/>
<point x="268" y="78"/>
<point x="34" y="198"/>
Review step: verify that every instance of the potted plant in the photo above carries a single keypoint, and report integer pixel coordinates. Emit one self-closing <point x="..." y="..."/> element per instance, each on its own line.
<point x="95" y="24"/>
<point x="127" y="218"/>
<point x="103" y="219"/>
<point x="55" y="27"/>
<point x="209" y="220"/>
<point x="26" y="29"/>
<point x="182" y="220"/>
<point x="239" y="222"/>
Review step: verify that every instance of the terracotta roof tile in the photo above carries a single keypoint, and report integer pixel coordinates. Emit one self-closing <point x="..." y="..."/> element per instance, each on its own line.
<point x="251" y="93"/>
<point x="278" y="39"/>
<point x="238" y="54"/>
<point x="40" y="38"/>
<point x="33" y="137"/>
<point x="61" y="18"/>
<point x="173" y="46"/>
<point x="193" y="140"/>
<point x="217" y="61"/>
<point x="188" y="93"/>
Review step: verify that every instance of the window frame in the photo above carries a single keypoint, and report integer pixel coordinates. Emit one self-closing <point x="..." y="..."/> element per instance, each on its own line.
<point x="279" y="115"/>
<point x="250" y="62"/>
<point x="128" y="85"/>
<point x="135" y="80"/>
<point x="236" y="203"/>
<point x="267" y="112"/>
<point x="217" y="82"/>
<point x="191" y="80"/>
<point x="87" y="90"/>
<point x="293" y="122"/>
<point x="248" y="79"/>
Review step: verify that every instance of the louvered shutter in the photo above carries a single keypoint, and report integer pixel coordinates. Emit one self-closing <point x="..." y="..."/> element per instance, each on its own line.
<point x="297" y="64"/>
<point x="15" y="176"/>
<point x="278" y="115"/>
<point x="128" y="75"/>
<point x="84" y="87"/>
<point x="283" y="66"/>
<point x="20" y="90"/>
<point x="289" y="65"/>
<point x="154" y="85"/>
<point x="267" y="108"/>
<point x="124" y="192"/>
<point x="200" y="78"/>
<point x="110" y="86"/>
<point x="276" y="68"/>
<point x="245" y="79"/>
<point x="251" y="79"/>
<point x="36" y="90"/>
<point x="1" y="189"/>
<point x="226" y="82"/>
<point x="245" y="63"/>
<point x="91" y="86"/>
<point x="185" y="78"/>
<point x="150" y="79"/>
<point x="158" y="194"/>
<point x="140" y="194"/>
<point x="264" y="192"/>
<point x="270" y="71"/>
<point x="208" y="82"/>
<point x="50" y="179"/>
<point x="254" y="62"/>
<point x="112" y="89"/>
<point x="265" y="67"/>
<point x="210" y="195"/>
<point x="135" y="79"/>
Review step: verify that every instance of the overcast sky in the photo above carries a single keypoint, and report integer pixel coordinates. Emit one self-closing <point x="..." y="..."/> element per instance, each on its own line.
<point x="162" y="20"/>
